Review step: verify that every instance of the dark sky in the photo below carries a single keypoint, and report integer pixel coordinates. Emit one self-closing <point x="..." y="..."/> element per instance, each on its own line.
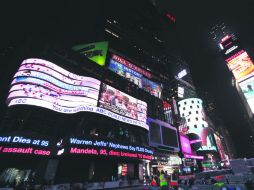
<point x="194" y="18"/>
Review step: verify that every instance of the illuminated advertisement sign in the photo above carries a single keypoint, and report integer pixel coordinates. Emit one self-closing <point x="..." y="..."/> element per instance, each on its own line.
<point x="131" y="66"/>
<point x="107" y="148"/>
<point x="94" y="51"/>
<point x="134" y="74"/>
<point x="24" y="145"/>
<point x="241" y="65"/>
<point x="44" y="84"/>
<point x="247" y="88"/>
<point x="192" y="110"/>
<point x="185" y="144"/>
<point x="123" y="104"/>
<point x="126" y="72"/>
<point x="220" y="147"/>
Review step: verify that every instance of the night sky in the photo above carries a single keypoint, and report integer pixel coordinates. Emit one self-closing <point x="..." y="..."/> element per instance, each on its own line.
<point x="194" y="19"/>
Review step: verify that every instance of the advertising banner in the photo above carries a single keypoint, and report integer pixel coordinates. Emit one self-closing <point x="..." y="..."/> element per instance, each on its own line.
<point x="135" y="75"/>
<point x="247" y="88"/>
<point x="94" y="51"/>
<point x="220" y="147"/>
<point x="123" y="104"/>
<point x="194" y="123"/>
<point x="185" y="144"/>
<point x="125" y="72"/>
<point x="241" y="65"/>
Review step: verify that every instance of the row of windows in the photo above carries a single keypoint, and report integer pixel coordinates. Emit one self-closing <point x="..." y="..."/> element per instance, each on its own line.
<point x="192" y="101"/>
<point x="184" y="108"/>
<point x="190" y="113"/>
<point x="195" y="126"/>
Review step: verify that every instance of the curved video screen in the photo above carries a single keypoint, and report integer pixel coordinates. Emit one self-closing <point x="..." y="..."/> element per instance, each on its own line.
<point x="42" y="80"/>
<point x="123" y="104"/>
<point x="44" y="84"/>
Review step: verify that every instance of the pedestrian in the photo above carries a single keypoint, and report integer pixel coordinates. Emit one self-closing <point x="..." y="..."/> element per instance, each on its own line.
<point x="153" y="185"/>
<point x="163" y="181"/>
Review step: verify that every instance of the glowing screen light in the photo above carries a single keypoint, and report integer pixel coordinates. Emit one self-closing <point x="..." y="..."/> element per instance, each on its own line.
<point x="123" y="104"/>
<point x="44" y="84"/>
<point x="42" y="80"/>
<point x="134" y="74"/>
<point x="182" y="74"/>
<point x="94" y="51"/>
<point x="241" y="65"/>
<point x="247" y="88"/>
<point x="185" y="144"/>
<point x="193" y="112"/>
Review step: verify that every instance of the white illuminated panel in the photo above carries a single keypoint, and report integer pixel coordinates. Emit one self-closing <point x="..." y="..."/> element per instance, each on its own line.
<point x="247" y="88"/>
<point x="62" y="109"/>
<point x="182" y="74"/>
<point x="192" y="110"/>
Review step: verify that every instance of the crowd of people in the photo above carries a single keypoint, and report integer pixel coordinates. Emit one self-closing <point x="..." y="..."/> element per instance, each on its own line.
<point x="163" y="181"/>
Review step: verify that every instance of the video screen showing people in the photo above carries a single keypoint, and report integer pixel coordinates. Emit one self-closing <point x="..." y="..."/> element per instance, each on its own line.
<point x="123" y="104"/>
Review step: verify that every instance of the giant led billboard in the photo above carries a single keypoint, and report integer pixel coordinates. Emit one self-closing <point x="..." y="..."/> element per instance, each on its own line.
<point x="247" y="88"/>
<point x="241" y="65"/>
<point x="41" y="83"/>
<point x="123" y="104"/>
<point x="38" y="79"/>
<point x="134" y="74"/>
<point x="192" y="111"/>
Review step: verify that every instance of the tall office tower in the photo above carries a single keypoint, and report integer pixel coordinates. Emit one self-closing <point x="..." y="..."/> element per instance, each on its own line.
<point x="93" y="104"/>
<point x="241" y="66"/>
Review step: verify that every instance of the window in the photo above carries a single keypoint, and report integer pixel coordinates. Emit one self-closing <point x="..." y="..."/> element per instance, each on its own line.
<point x="196" y="112"/>
<point x="190" y="107"/>
<point x="183" y="114"/>
<point x="192" y="101"/>
<point x="188" y="120"/>
<point x="185" y="103"/>
<point x="189" y="112"/>
<point x="195" y="126"/>
<point x="197" y="106"/>
<point x="196" y="119"/>
<point x="203" y="125"/>
<point x="183" y="108"/>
